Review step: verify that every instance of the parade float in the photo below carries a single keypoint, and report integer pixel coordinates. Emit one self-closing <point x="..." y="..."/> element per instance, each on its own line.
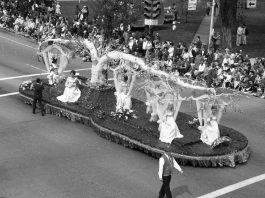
<point x="140" y="109"/>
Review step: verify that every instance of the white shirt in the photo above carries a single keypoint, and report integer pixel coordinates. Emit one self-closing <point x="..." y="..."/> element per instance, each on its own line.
<point x="161" y="165"/>
<point x="148" y="45"/>
<point x="186" y="56"/>
<point x="228" y="77"/>
<point x="171" y="52"/>
<point x="201" y="67"/>
<point x="58" y="9"/>
<point x="145" y="45"/>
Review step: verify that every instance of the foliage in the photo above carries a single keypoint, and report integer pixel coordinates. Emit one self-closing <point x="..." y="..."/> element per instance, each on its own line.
<point x="220" y="141"/>
<point x="100" y="114"/>
<point x="194" y="123"/>
<point x="123" y="114"/>
<point x="26" y="85"/>
<point x="111" y="13"/>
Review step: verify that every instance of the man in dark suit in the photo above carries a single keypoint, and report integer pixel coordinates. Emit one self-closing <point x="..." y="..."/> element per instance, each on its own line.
<point x="212" y="75"/>
<point x="37" y="97"/>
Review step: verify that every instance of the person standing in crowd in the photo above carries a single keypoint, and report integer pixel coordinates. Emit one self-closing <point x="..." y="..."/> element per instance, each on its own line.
<point x="239" y="35"/>
<point x="175" y="11"/>
<point x="77" y="11"/>
<point x="198" y="42"/>
<point x="58" y="9"/>
<point x="215" y="8"/>
<point x="216" y="39"/>
<point x="37" y="96"/>
<point x="244" y="35"/>
<point x="166" y="165"/>
<point x="208" y="8"/>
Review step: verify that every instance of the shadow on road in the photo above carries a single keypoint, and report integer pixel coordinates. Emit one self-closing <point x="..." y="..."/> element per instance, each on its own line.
<point x="180" y="191"/>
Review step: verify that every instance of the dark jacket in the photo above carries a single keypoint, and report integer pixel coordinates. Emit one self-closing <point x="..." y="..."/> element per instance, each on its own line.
<point x="38" y="88"/>
<point x="212" y="75"/>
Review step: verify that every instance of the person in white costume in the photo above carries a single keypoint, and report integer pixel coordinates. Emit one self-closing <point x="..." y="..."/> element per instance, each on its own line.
<point x="123" y="85"/>
<point x="53" y="76"/>
<point x="71" y="92"/>
<point x="210" y="131"/>
<point x="168" y="127"/>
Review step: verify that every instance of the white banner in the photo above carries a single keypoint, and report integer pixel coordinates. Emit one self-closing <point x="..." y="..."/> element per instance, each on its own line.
<point x="151" y="22"/>
<point x="192" y="4"/>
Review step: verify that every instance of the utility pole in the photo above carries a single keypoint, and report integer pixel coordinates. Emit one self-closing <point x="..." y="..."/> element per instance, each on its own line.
<point x="211" y="25"/>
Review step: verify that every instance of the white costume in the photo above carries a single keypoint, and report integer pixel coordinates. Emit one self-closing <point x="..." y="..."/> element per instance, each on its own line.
<point x="210" y="132"/>
<point x="169" y="129"/>
<point x="53" y="76"/>
<point x="123" y="100"/>
<point x="71" y="92"/>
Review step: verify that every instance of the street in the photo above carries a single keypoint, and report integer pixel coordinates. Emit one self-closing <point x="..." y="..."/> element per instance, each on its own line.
<point x="52" y="157"/>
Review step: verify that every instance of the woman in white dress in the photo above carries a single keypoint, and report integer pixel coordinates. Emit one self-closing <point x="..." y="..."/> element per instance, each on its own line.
<point x="168" y="128"/>
<point x="210" y="131"/>
<point x="71" y="92"/>
<point x="123" y="85"/>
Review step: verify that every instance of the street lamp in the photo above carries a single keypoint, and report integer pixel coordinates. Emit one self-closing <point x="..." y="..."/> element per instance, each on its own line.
<point x="211" y="25"/>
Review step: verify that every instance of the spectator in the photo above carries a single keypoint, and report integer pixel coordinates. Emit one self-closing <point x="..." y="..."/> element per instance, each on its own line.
<point x="239" y="34"/>
<point x="244" y="35"/>
<point x="198" y="42"/>
<point x="58" y="9"/>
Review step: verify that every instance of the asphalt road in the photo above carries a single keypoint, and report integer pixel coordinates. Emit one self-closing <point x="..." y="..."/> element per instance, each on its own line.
<point x="51" y="157"/>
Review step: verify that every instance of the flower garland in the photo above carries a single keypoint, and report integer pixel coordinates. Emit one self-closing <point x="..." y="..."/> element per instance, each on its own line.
<point x="123" y="114"/>
<point x="28" y="84"/>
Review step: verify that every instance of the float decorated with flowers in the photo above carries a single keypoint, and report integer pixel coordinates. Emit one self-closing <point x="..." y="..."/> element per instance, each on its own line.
<point x="140" y="108"/>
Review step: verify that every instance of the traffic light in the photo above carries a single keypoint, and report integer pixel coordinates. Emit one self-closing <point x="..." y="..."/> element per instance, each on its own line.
<point x="152" y="9"/>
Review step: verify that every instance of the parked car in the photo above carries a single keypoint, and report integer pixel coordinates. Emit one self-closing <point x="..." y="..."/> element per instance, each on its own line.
<point x="169" y="15"/>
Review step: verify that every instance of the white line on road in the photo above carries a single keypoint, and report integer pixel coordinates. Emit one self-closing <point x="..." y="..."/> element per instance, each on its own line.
<point x="36" y="68"/>
<point x="9" y="94"/>
<point x="234" y="187"/>
<point x="18" y="42"/>
<point x="40" y="74"/>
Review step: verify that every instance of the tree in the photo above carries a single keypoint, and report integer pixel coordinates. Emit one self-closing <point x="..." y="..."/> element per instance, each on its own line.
<point x="111" y="13"/>
<point x="228" y="15"/>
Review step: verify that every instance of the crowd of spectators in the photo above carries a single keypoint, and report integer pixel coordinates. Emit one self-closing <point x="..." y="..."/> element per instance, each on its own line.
<point x="226" y="69"/>
<point x="42" y="20"/>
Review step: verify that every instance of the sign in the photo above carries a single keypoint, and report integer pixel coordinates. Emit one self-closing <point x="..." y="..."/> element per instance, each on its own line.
<point x="151" y="21"/>
<point x="251" y="3"/>
<point x="152" y="9"/>
<point x="192" y="4"/>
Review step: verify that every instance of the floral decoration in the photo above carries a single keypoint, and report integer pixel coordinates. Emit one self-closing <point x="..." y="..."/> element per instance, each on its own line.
<point x="123" y="114"/>
<point x="28" y="84"/>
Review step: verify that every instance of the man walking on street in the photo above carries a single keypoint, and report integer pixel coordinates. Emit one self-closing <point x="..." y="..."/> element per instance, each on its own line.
<point x="166" y="165"/>
<point x="37" y="97"/>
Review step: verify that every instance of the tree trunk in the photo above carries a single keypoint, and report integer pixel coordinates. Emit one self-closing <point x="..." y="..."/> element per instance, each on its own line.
<point x="227" y="37"/>
<point x="228" y="20"/>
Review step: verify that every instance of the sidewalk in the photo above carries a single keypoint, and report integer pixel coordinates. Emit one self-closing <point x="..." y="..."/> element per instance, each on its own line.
<point x="204" y="29"/>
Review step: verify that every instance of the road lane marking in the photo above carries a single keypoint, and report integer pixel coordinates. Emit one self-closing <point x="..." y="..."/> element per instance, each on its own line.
<point x="23" y="76"/>
<point x="9" y="94"/>
<point x="36" y="67"/>
<point x="40" y="74"/>
<point x="18" y="42"/>
<point x="234" y="187"/>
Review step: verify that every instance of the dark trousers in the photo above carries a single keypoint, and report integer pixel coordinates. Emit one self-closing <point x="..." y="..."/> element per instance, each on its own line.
<point x="165" y="188"/>
<point x="35" y="100"/>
